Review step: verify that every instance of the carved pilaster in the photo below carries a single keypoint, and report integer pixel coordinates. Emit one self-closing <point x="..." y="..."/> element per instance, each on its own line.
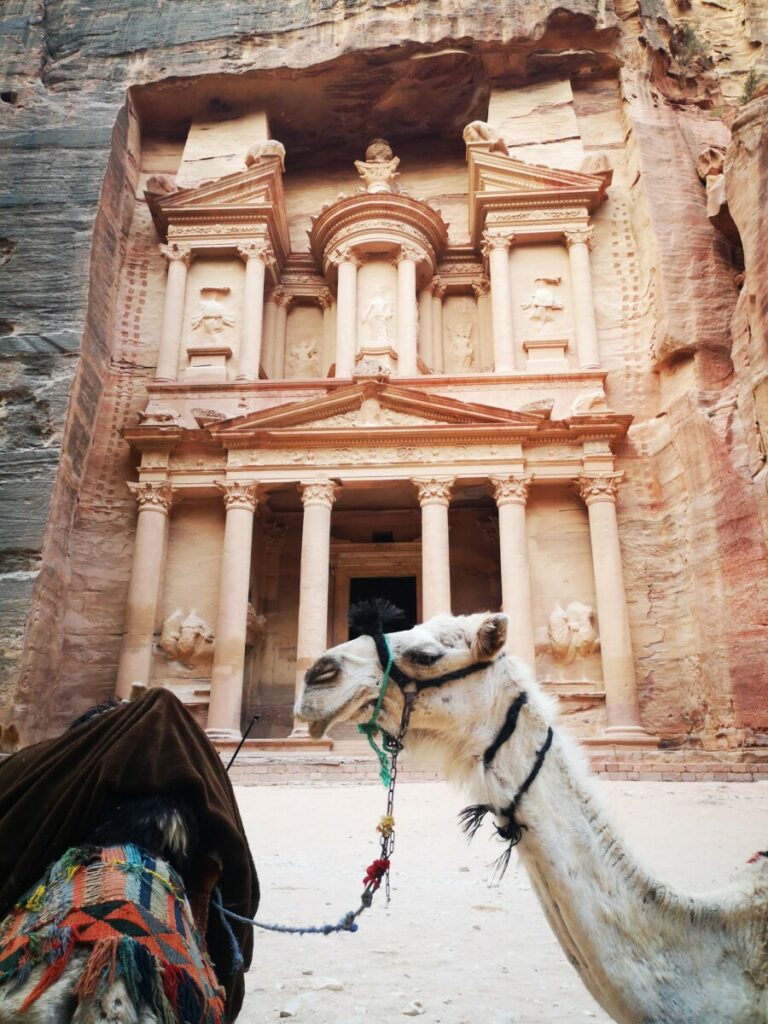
<point x="156" y="496"/>
<point x="433" y="490"/>
<point x="580" y="236"/>
<point x="239" y="494"/>
<point x="510" y="489"/>
<point x="599" y="487"/>
<point x="177" y="252"/>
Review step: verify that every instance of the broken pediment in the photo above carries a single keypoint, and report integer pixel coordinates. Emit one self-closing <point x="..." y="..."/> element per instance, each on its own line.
<point x="247" y="202"/>
<point x="500" y="184"/>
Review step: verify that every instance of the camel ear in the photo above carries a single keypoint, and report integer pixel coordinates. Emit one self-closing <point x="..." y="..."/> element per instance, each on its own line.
<point x="491" y="636"/>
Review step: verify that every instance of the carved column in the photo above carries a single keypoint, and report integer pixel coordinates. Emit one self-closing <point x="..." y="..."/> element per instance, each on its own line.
<point x="257" y="256"/>
<point x="325" y="300"/>
<point x="579" y="244"/>
<point x="482" y="292"/>
<point x="179" y="257"/>
<point x="407" y="315"/>
<point x="426" y="343"/>
<point x="496" y="249"/>
<point x="434" y="498"/>
<point x="240" y="500"/>
<point x="438" y="291"/>
<point x="346" y="311"/>
<point x="154" y="501"/>
<point x="599" y="493"/>
<point x="317" y="499"/>
<point x="282" y="304"/>
<point x="511" y="494"/>
<point x="269" y="347"/>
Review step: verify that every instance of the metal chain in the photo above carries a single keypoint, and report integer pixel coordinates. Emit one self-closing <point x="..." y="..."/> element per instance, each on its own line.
<point x="393" y="745"/>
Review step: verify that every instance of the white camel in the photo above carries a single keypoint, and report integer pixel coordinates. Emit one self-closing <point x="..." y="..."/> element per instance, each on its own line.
<point x="648" y="953"/>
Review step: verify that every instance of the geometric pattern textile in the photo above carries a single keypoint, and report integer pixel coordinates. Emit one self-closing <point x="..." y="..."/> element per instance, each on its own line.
<point x="131" y="911"/>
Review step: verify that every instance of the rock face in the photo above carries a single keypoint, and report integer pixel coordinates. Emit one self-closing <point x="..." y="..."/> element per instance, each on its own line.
<point x="652" y="88"/>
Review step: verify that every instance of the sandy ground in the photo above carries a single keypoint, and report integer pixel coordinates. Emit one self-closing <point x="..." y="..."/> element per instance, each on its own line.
<point x="451" y="948"/>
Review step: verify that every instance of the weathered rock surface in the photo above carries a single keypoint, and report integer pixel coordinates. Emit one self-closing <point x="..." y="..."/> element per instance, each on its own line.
<point x="694" y="516"/>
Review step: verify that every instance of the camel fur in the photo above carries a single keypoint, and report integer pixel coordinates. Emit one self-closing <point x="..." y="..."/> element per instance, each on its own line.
<point x="647" y="952"/>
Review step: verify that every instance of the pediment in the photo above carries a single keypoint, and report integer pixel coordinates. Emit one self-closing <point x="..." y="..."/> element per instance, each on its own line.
<point x="373" y="409"/>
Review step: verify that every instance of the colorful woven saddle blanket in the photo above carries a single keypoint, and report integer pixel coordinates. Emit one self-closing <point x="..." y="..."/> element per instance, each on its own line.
<point x="130" y="910"/>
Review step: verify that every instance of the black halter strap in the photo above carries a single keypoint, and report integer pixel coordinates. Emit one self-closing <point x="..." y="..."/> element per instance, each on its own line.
<point x="403" y="680"/>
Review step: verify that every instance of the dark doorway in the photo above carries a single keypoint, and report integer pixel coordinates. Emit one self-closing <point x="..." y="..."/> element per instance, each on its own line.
<point x="400" y="590"/>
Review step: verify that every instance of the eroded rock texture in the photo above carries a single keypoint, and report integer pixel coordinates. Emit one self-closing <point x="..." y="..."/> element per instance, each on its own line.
<point x="683" y="77"/>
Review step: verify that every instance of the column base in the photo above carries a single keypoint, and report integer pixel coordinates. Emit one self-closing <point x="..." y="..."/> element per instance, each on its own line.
<point x="622" y="736"/>
<point x="590" y="366"/>
<point x="245" y="378"/>
<point x="223" y="735"/>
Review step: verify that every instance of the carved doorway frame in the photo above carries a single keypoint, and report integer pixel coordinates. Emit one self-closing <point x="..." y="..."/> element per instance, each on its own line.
<point x="360" y="560"/>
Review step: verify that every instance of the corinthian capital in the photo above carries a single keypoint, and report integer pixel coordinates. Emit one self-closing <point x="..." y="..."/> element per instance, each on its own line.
<point x="510" y="489"/>
<point x="344" y="254"/>
<point x="177" y="252"/>
<point x="492" y="242"/>
<point x="281" y="298"/>
<point x="158" y="497"/>
<point x="239" y="494"/>
<point x="319" y="492"/>
<point x="325" y="298"/>
<point x="407" y="253"/>
<point x="580" y="236"/>
<point x="481" y="287"/>
<point x="599" y="486"/>
<point x="434" y="491"/>
<point x="256" y="251"/>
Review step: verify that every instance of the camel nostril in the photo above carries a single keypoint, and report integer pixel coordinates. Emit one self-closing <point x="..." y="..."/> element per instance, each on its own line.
<point x="324" y="670"/>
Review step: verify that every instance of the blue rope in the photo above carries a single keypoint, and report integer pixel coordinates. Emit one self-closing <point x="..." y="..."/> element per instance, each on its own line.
<point x="346" y="924"/>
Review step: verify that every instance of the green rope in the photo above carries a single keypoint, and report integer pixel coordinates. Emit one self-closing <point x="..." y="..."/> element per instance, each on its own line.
<point x="369" y="729"/>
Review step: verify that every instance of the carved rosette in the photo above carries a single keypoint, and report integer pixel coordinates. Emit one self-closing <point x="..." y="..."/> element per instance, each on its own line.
<point x="510" y="490"/>
<point x="239" y="494"/>
<point x="257" y="251"/>
<point x="156" y="497"/>
<point x="176" y="252"/>
<point x="493" y="242"/>
<point x="580" y="236"/>
<point x="319" y="492"/>
<point x="434" y="490"/>
<point x="599" y="487"/>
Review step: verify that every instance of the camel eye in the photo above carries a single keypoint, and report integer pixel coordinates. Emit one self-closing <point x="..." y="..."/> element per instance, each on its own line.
<point x="423" y="656"/>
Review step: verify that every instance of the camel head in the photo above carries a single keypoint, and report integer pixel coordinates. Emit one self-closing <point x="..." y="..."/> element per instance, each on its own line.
<point x="344" y="684"/>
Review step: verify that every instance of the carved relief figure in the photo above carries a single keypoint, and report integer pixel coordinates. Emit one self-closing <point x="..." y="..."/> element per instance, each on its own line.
<point x="187" y="639"/>
<point x="379" y="170"/>
<point x="543" y="303"/>
<point x="571" y="632"/>
<point x="461" y="344"/>
<point x="212" y="320"/>
<point x="378" y="319"/>
<point x="303" y="359"/>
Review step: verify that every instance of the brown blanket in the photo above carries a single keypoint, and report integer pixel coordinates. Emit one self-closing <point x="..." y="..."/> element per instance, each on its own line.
<point x="51" y="795"/>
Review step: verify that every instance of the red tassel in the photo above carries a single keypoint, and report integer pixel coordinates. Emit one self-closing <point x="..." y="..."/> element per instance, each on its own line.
<point x="172" y="979"/>
<point x="49" y="976"/>
<point x="376" y="872"/>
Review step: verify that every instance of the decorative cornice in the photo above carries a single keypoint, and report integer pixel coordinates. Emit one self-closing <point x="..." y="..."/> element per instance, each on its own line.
<point x="176" y="252"/>
<point x="257" y="251"/>
<point x="510" y="490"/>
<point x="599" y="486"/>
<point x="319" y="492"/>
<point x="239" y="494"/>
<point x="434" y="490"/>
<point x="157" y="497"/>
<point x="580" y="236"/>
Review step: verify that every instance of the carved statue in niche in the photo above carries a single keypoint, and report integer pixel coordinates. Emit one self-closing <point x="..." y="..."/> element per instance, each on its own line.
<point x="303" y="359"/>
<point x="481" y="131"/>
<point x="461" y="344"/>
<point x="379" y="169"/>
<point x="187" y="639"/>
<point x="212" y="320"/>
<point x="378" y="319"/>
<point x="543" y="303"/>
<point x="569" y="635"/>
<point x="255" y="628"/>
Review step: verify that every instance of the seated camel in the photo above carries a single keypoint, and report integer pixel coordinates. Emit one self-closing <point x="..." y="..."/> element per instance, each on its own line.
<point x="112" y="838"/>
<point x="648" y="953"/>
